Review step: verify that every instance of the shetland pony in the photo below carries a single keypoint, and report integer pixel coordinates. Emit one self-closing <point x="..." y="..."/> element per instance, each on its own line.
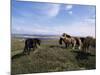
<point x="69" y="40"/>
<point x="87" y="42"/>
<point x="31" y="43"/>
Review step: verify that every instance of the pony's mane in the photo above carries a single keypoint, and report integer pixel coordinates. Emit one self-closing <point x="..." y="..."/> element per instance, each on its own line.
<point x="66" y="35"/>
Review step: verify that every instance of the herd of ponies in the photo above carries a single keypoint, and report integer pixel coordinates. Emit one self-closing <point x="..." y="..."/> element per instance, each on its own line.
<point x="81" y="43"/>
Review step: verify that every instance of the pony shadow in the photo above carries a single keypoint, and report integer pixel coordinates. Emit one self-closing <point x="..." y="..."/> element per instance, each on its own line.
<point x="82" y="55"/>
<point x="17" y="56"/>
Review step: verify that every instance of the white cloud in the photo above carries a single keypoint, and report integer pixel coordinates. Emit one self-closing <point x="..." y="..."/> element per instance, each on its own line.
<point x="79" y="28"/>
<point x="69" y="7"/>
<point x="82" y="27"/>
<point x="52" y="10"/>
<point x="45" y="10"/>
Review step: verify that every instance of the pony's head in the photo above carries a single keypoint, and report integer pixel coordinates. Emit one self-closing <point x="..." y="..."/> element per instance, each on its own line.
<point x="38" y="41"/>
<point x="60" y="40"/>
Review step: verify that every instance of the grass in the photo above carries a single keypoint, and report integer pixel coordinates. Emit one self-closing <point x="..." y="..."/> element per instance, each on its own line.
<point x="49" y="57"/>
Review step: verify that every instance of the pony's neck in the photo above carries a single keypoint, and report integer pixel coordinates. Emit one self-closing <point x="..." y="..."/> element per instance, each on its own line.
<point x="64" y="38"/>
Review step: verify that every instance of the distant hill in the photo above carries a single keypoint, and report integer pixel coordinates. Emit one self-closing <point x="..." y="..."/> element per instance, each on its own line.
<point x="41" y="36"/>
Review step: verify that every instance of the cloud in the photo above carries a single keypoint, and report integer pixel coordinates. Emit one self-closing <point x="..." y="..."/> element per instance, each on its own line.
<point x="74" y="29"/>
<point x="84" y="27"/>
<point x="33" y="30"/>
<point x="78" y="29"/>
<point x="46" y="10"/>
<point x="36" y="10"/>
<point x="26" y="23"/>
<point x="52" y="10"/>
<point x="69" y="7"/>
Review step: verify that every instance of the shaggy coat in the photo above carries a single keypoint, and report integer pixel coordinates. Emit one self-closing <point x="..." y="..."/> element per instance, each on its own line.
<point x="31" y="43"/>
<point x="69" y="40"/>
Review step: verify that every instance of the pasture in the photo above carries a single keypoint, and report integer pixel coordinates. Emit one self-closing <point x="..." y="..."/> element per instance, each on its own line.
<point x="49" y="57"/>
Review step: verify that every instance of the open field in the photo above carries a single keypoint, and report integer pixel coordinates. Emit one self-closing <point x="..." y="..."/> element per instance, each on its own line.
<point x="49" y="57"/>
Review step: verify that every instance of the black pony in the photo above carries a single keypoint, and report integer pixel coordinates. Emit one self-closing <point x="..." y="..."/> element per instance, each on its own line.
<point x="31" y="43"/>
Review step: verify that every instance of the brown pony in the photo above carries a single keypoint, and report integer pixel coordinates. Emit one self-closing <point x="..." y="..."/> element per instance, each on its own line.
<point x="87" y="42"/>
<point x="69" y="40"/>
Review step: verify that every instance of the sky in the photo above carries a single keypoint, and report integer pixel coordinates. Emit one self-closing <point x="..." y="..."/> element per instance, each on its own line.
<point x="52" y="18"/>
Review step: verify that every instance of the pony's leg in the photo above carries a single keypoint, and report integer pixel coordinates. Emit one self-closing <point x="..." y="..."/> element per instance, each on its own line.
<point x="34" y="47"/>
<point x="84" y="50"/>
<point x="79" y="47"/>
<point x="73" y="47"/>
<point x="74" y="44"/>
<point x="66" y="45"/>
<point x="29" y="49"/>
<point x="25" y="50"/>
<point x="87" y="50"/>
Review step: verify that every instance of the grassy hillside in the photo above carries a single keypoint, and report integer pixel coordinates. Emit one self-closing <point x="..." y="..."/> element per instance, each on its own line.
<point x="49" y="57"/>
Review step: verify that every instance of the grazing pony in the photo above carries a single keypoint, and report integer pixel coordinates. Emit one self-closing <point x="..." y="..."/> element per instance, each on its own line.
<point x="78" y="42"/>
<point x="68" y="40"/>
<point x="87" y="42"/>
<point x="31" y="43"/>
